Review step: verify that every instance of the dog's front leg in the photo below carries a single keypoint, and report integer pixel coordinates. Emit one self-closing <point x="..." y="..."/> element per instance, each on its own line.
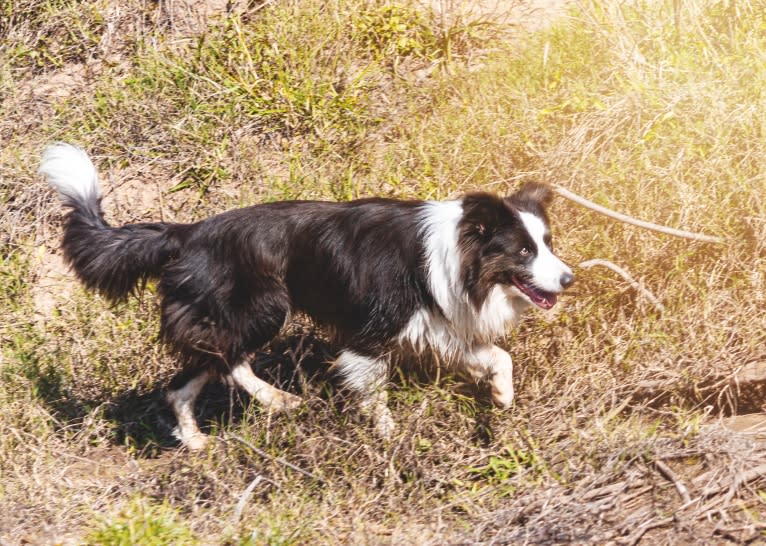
<point x="492" y="364"/>
<point x="366" y="377"/>
<point x="375" y="406"/>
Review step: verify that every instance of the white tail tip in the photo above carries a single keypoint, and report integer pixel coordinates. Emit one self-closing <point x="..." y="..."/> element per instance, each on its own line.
<point x="70" y="170"/>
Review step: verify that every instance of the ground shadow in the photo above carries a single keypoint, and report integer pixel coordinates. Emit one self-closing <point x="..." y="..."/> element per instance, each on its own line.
<point x="298" y="362"/>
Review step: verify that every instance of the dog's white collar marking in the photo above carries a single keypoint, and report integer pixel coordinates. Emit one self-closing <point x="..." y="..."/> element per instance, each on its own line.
<point x="462" y="324"/>
<point x="440" y="234"/>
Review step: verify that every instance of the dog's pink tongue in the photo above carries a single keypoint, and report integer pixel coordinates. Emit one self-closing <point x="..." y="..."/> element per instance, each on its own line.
<point x="544" y="300"/>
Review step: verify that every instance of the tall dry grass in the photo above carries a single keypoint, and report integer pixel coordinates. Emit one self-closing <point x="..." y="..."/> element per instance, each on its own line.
<point x="654" y="109"/>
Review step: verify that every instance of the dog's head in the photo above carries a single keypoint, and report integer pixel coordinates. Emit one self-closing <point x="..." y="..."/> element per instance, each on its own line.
<point x="507" y="242"/>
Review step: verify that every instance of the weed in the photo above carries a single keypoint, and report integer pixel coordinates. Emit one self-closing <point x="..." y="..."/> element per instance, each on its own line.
<point x="142" y="522"/>
<point x="392" y="31"/>
<point x="45" y="35"/>
<point x="500" y="469"/>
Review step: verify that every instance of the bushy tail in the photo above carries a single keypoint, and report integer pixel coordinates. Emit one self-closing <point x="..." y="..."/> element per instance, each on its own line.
<point x="108" y="259"/>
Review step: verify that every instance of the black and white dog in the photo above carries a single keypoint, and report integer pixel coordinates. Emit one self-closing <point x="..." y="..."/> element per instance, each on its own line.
<point x="386" y="277"/>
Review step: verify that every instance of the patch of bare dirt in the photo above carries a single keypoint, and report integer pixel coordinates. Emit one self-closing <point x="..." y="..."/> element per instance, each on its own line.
<point x="33" y="99"/>
<point x="754" y="423"/>
<point x="530" y="15"/>
<point x="191" y="17"/>
<point x="57" y="85"/>
<point x="54" y="284"/>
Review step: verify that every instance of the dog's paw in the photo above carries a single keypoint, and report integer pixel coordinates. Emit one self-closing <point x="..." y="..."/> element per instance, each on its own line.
<point x="196" y="442"/>
<point x="503" y="398"/>
<point x="385" y="426"/>
<point x="284" y="401"/>
<point x="193" y="441"/>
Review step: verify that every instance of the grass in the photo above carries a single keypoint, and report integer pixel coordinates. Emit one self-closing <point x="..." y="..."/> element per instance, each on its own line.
<point x="654" y="109"/>
<point x="141" y="522"/>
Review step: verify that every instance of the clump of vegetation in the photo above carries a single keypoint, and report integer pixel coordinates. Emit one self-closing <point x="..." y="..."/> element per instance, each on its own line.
<point x="651" y="109"/>
<point x="44" y="35"/>
<point x="141" y="522"/>
<point x="393" y="31"/>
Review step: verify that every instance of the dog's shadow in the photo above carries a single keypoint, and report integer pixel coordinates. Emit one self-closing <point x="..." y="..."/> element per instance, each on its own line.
<point x="298" y="363"/>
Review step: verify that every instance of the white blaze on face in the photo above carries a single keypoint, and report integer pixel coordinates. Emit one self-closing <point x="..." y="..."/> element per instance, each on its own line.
<point x="546" y="268"/>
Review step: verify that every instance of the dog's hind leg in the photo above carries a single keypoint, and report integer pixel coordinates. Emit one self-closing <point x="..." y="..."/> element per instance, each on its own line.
<point x="182" y="393"/>
<point x="366" y="377"/>
<point x="269" y="396"/>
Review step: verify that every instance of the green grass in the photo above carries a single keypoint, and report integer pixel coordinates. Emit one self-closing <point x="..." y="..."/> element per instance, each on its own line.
<point x="44" y="35"/>
<point x="656" y="113"/>
<point x="142" y="522"/>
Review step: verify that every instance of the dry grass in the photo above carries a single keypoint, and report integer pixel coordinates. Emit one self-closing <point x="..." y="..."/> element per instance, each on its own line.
<point x="627" y="426"/>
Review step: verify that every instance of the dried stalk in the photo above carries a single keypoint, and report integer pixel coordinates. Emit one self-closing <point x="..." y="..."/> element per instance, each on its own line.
<point x="638" y="286"/>
<point x="669" y="475"/>
<point x="741" y="478"/>
<point x="565" y="193"/>
<point x="279" y="460"/>
<point x="248" y="492"/>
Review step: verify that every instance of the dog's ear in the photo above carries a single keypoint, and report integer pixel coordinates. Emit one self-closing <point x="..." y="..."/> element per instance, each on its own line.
<point x="482" y="213"/>
<point x="531" y="195"/>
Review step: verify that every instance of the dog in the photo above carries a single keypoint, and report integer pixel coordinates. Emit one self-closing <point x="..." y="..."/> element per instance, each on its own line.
<point x="384" y="276"/>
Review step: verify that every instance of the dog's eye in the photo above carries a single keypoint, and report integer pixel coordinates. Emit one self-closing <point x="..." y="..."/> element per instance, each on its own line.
<point x="524" y="252"/>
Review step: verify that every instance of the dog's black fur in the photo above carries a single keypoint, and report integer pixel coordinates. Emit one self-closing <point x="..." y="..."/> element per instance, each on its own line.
<point x="228" y="282"/>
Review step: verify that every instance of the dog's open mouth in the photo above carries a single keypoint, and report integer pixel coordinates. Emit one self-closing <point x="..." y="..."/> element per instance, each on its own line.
<point x="542" y="299"/>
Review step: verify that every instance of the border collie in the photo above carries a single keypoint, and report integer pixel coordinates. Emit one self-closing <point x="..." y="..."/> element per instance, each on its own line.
<point x="385" y="276"/>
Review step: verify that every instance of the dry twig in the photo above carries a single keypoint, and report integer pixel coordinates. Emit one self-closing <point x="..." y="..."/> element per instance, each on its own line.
<point x="279" y="460"/>
<point x="246" y="494"/>
<point x="636" y="535"/>
<point x="637" y="285"/>
<point x="565" y="193"/>
<point x="669" y="475"/>
<point x="742" y="478"/>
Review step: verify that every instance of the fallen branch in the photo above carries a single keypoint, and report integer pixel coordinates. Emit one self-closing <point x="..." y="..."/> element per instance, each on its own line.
<point x="628" y="277"/>
<point x="279" y="460"/>
<point x="636" y="535"/>
<point x="611" y="490"/>
<point x="565" y="193"/>
<point x="669" y="475"/>
<point x="740" y="479"/>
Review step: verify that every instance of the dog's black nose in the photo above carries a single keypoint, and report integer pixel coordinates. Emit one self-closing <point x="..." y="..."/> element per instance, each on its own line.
<point x="566" y="279"/>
